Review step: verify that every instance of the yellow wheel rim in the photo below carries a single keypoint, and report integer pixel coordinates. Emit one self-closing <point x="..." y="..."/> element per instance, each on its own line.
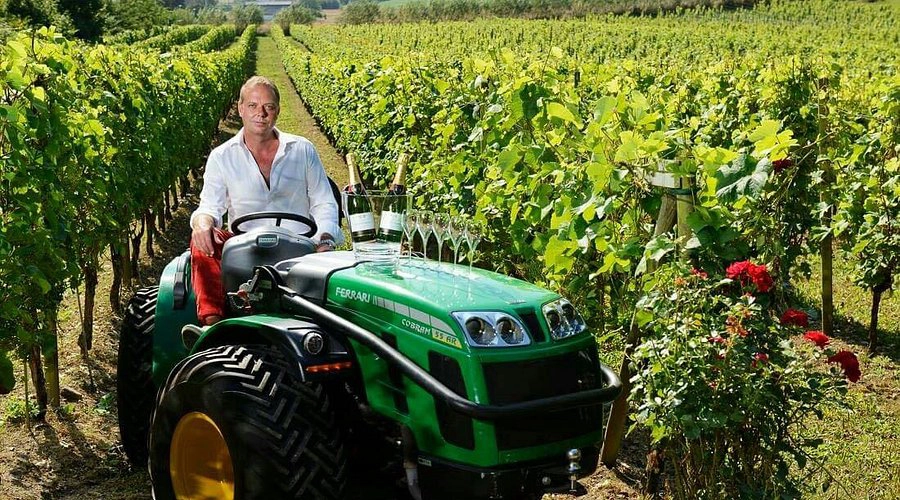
<point x="199" y="462"/>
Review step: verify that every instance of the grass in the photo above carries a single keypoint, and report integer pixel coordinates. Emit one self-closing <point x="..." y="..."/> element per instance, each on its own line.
<point x="860" y="452"/>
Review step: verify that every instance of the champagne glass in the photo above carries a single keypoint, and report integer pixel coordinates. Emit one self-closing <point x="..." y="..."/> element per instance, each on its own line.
<point x="473" y="233"/>
<point x="440" y="223"/>
<point x="409" y="229"/>
<point x="455" y="233"/>
<point x="424" y="227"/>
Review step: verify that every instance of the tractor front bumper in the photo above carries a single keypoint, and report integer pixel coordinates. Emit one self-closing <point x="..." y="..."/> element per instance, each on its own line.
<point x="440" y="479"/>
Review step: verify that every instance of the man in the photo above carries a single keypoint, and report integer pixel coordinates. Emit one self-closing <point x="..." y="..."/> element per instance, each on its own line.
<point x="259" y="169"/>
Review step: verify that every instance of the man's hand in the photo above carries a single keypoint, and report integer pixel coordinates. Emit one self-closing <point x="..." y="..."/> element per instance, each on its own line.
<point x="326" y="243"/>
<point x="202" y="235"/>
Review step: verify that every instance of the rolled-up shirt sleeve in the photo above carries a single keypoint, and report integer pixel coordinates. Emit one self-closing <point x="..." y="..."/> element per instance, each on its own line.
<point x="322" y="206"/>
<point x="213" y="196"/>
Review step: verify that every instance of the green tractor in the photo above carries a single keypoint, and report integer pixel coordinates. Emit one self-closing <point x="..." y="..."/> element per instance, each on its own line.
<point x="480" y="385"/>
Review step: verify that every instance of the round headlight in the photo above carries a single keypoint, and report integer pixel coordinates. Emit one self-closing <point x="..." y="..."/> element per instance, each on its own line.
<point x="569" y="312"/>
<point x="553" y="320"/>
<point x="479" y="331"/>
<point x="510" y="332"/>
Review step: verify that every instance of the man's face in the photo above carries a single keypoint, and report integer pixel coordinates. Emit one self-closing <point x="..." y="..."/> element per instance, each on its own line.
<point x="258" y="110"/>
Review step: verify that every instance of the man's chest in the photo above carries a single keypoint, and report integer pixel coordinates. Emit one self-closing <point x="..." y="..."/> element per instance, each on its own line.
<point x="283" y="179"/>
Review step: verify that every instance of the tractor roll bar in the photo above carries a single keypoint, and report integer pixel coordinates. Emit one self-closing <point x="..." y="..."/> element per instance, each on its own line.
<point x="439" y="390"/>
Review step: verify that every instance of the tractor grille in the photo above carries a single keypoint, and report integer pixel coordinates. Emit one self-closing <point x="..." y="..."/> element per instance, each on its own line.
<point x="519" y="381"/>
<point x="455" y="427"/>
<point x="531" y="322"/>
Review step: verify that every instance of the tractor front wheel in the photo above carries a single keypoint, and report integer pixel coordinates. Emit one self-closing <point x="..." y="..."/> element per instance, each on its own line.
<point x="135" y="391"/>
<point x="235" y="422"/>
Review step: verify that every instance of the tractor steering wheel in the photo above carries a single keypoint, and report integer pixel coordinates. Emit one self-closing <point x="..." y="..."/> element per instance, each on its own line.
<point x="278" y="216"/>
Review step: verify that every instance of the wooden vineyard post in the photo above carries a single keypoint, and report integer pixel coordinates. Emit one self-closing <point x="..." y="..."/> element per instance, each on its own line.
<point x="685" y="196"/>
<point x="50" y="348"/>
<point x="37" y="376"/>
<point x="827" y="255"/>
<point x="828" y="179"/>
<point x="677" y="204"/>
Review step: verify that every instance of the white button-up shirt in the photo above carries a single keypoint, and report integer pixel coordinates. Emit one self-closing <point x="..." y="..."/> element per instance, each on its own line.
<point x="298" y="184"/>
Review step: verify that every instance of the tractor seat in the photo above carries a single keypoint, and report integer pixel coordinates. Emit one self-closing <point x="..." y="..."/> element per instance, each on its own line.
<point x="259" y="247"/>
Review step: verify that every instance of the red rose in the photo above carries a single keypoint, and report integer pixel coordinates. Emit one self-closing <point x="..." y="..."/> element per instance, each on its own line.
<point x="760" y="277"/>
<point x="747" y="272"/>
<point x="848" y="363"/>
<point x="783" y="164"/>
<point x="699" y="273"/>
<point x="817" y="337"/>
<point x="794" y="317"/>
<point x="738" y="270"/>
<point x="760" y="358"/>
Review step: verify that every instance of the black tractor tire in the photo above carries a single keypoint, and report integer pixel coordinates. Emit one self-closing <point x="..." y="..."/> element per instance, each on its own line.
<point x="283" y="435"/>
<point x="135" y="390"/>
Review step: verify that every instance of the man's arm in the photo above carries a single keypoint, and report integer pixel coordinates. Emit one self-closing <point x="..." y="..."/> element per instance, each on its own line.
<point x="212" y="205"/>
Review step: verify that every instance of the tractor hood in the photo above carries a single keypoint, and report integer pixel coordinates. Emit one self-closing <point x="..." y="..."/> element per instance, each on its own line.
<point x="445" y="286"/>
<point x="418" y="295"/>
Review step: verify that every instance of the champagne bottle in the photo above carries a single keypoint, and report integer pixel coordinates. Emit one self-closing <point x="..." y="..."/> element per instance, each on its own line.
<point x="359" y="207"/>
<point x="392" y="213"/>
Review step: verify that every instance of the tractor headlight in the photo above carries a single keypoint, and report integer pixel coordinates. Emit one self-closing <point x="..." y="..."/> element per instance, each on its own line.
<point x="492" y="329"/>
<point x="562" y="319"/>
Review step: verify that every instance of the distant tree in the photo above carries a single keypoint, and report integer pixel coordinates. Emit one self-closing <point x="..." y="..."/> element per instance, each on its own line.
<point x="212" y="15"/>
<point x="182" y="16"/>
<point x="196" y="5"/>
<point x="297" y="14"/>
<point x="365" y="11"/>
<point x="173" y="4"/>
<point x="86" y="17"/>
<point x="39" y="13"/>
<point x="245" y="15"/>
<point x="313" y="5"/>
<point x="124" y="15"/>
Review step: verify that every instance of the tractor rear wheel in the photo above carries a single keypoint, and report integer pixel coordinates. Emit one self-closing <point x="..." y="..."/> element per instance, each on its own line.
<point x="135" y="390"/>
<point x="235" y="422"/>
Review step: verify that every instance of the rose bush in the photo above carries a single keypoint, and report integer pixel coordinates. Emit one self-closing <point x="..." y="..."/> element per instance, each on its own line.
<point x="721" y="385"/>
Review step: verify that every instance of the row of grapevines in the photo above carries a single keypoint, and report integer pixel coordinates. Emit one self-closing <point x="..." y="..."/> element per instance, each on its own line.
<point x="695" y="38"/>
<point x="214" y="39"/>
<point x="553" y="144"/>
<point x="90" y="136"/>
<point x="560" y="174"/>
<point x="174" y="37"/>
<point x="133" y="36"/>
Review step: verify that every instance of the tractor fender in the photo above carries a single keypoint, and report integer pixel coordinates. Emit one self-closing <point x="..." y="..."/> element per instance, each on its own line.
<point x="288" y="334"/>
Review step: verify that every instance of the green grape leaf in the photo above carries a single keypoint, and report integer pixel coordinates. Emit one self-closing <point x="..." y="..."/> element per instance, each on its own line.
<point x="745" y="176"/>
<point x="604" y="109"/>
<point x="628" y="150"/>
<point x="555" y="253"/>
<point x="557" y="110"/>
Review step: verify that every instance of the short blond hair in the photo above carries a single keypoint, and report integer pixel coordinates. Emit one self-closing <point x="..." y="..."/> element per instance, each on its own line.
<point x="257" y="80"/>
